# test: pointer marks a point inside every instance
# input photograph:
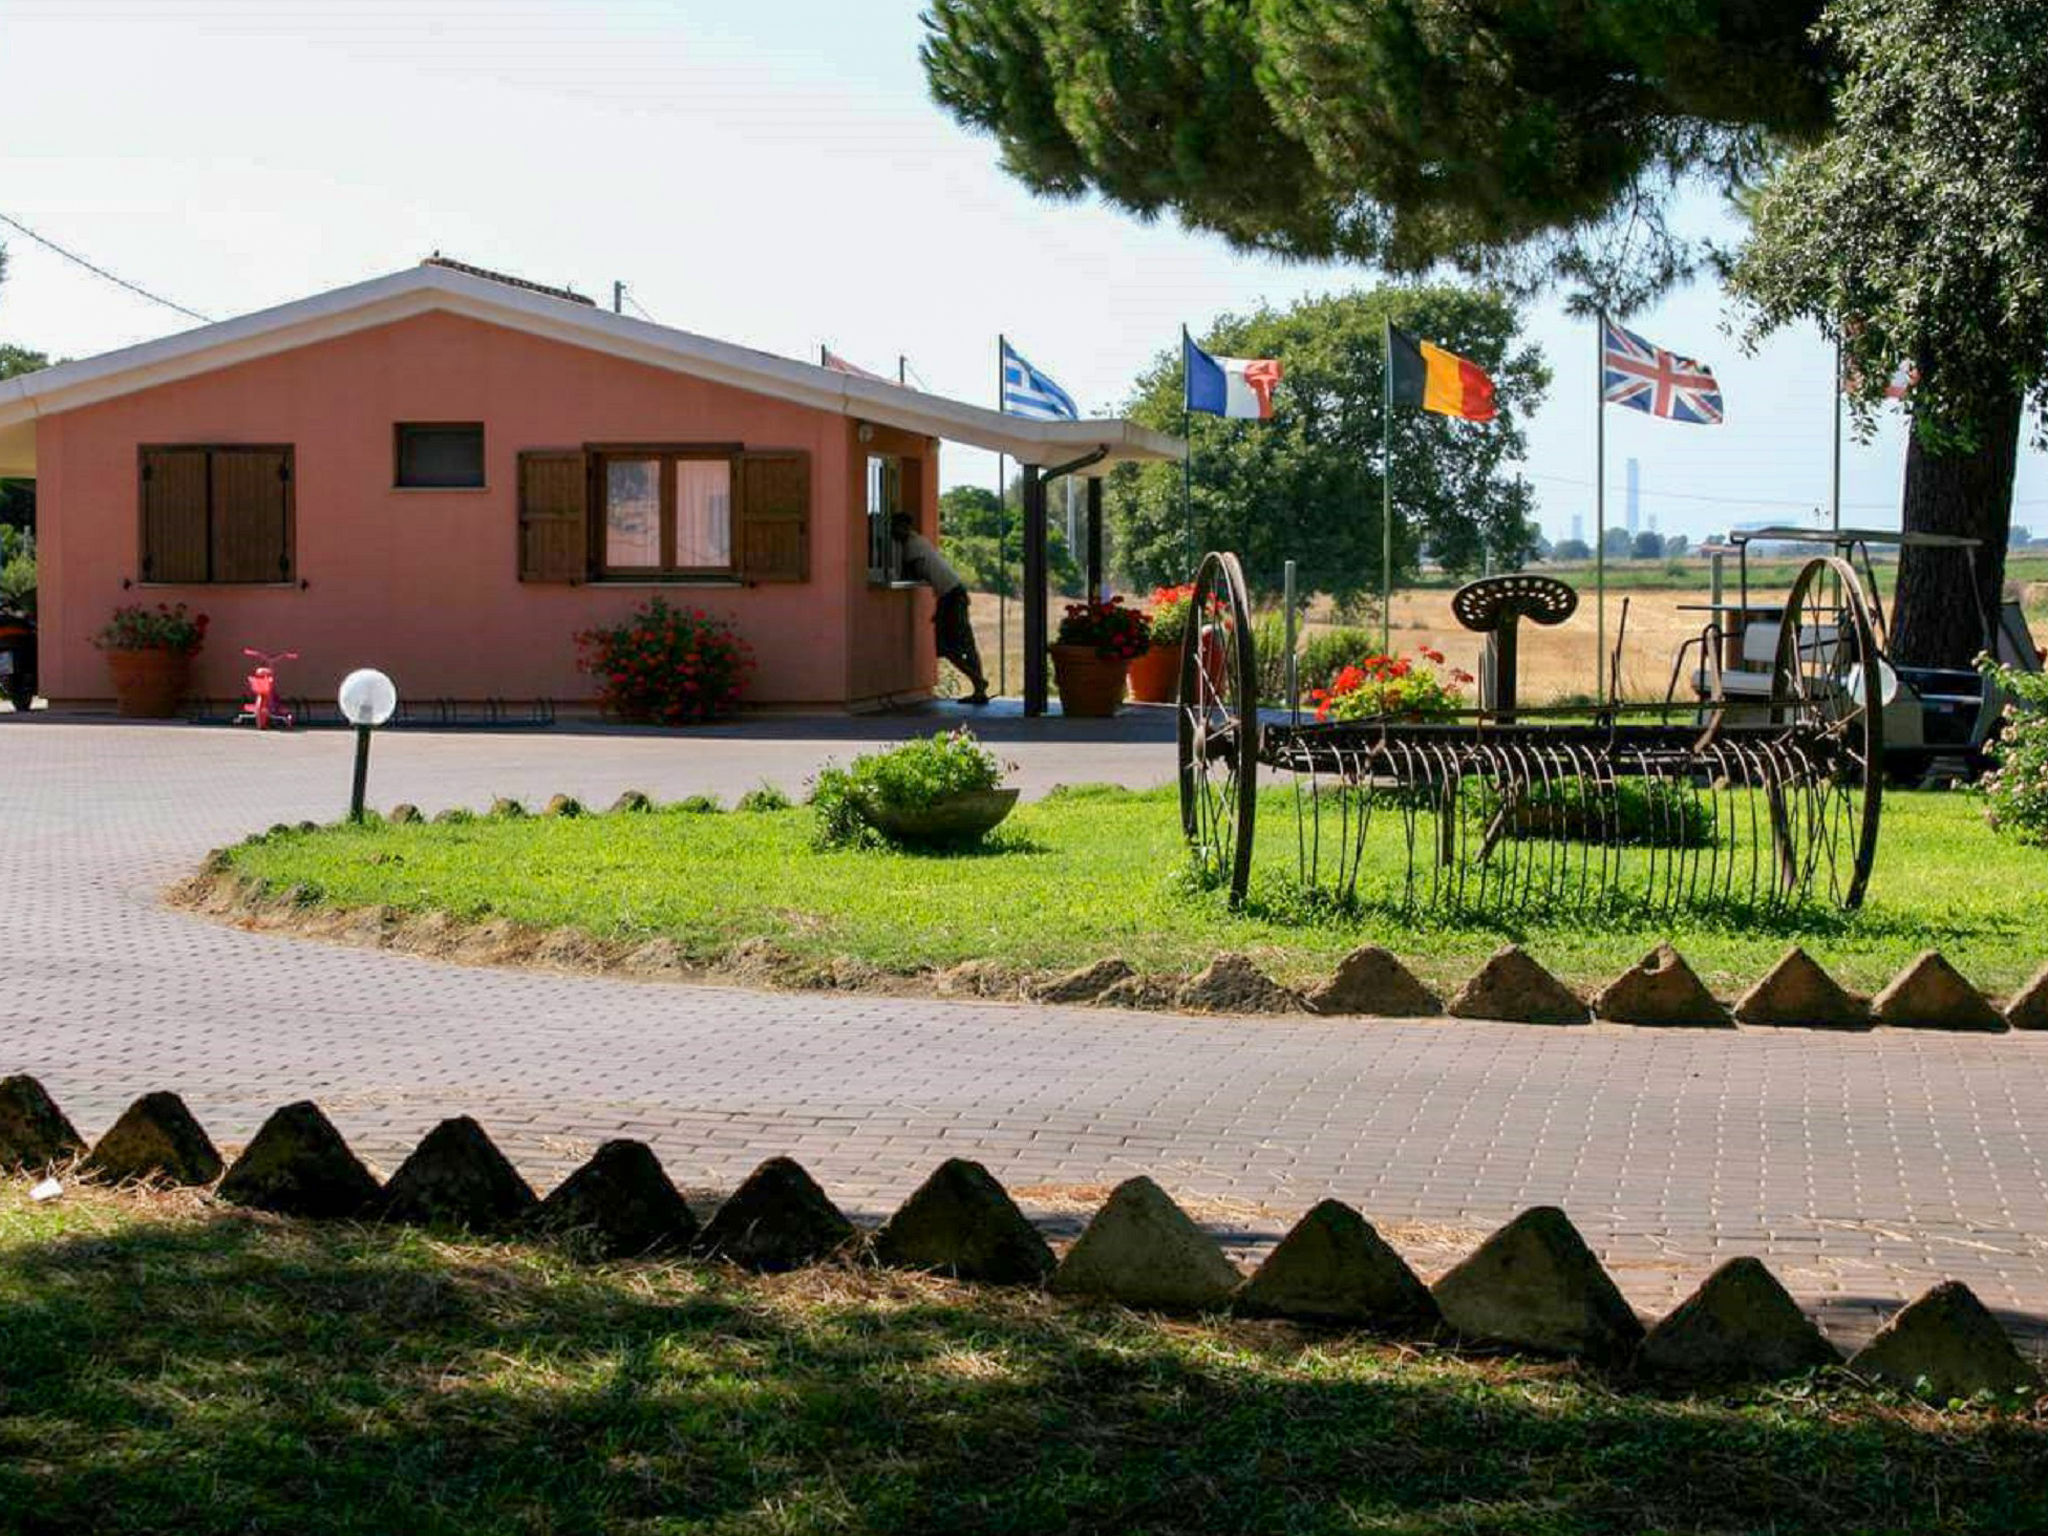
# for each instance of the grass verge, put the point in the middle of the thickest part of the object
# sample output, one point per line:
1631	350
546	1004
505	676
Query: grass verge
1096	872
169	1367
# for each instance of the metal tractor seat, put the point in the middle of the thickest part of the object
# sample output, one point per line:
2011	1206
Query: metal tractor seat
1496	606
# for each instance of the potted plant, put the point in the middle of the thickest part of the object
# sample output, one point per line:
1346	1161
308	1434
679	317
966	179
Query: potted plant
1092	654
943	793
149	653
1155	674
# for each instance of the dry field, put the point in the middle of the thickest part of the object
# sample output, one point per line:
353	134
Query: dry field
1556	663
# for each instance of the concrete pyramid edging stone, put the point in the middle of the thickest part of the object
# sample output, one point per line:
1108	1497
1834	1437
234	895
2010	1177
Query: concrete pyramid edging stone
1931	994
1740	1324
1332	1267
457	1177
1535	1285
1660	989
619	1205
1532	1285
778	1219
1370	980
2029	1006
1234	984
34	1134
298	1165
1142	1250
1945	1345
1797	992
156	1138
962	1223
1513	987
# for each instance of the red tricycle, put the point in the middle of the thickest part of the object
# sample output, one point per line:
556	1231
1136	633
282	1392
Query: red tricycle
262	710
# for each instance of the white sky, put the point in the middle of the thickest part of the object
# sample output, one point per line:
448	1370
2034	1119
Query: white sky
771	173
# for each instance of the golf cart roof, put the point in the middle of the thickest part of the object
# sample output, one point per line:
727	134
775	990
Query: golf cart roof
1844	537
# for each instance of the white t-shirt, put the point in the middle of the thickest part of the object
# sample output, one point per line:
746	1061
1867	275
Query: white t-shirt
936	573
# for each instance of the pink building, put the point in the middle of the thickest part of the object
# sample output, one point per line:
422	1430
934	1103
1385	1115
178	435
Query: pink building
447	474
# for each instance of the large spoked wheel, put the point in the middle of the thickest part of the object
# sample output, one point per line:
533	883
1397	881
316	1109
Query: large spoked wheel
1219	725
1827	689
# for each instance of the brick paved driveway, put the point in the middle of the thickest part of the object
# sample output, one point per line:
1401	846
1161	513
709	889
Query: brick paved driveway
1862	1167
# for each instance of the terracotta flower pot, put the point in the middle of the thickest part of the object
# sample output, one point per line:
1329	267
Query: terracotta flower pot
1091	686
1155	676
149	684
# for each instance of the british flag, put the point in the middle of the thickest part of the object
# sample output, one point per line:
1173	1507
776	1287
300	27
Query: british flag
1647	378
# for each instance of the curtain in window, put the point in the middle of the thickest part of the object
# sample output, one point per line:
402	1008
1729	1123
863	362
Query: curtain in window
703	513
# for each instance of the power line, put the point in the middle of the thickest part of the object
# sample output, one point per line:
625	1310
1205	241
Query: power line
628	295
98	271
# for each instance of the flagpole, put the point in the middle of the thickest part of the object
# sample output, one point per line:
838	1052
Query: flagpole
1387	486
1002	543
1600	506
1187	456
1835	493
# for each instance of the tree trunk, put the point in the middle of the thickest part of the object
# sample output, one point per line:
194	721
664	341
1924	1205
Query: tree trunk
1937	621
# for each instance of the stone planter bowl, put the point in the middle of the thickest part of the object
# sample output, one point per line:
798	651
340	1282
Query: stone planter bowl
950	822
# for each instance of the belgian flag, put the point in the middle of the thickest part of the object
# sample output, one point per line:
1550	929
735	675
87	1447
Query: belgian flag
1422	374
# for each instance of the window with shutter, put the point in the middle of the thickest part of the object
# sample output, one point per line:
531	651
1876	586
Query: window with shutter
554	523
175	543
774	532
217	514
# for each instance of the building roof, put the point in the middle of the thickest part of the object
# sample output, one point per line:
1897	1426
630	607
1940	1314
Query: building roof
441	287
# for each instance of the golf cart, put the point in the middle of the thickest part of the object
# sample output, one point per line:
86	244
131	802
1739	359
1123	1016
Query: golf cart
1937	720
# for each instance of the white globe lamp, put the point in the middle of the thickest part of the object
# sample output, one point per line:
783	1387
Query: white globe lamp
367	700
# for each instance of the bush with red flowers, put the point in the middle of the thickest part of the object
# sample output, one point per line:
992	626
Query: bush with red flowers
162	628
672	666
1392	686
1111	630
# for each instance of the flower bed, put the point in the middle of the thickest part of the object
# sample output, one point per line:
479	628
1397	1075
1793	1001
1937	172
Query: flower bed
1393	686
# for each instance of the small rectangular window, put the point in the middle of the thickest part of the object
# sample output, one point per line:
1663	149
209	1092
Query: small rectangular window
440	455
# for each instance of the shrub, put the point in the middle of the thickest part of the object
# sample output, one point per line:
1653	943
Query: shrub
1329	651
698	805
18	572
162	628
1640	813
673	666
905	778
2015	790
1109	627
766	798
1391	686
1269	644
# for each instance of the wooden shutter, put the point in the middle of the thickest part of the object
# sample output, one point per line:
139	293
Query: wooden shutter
554	520
773	539
252	514
174	542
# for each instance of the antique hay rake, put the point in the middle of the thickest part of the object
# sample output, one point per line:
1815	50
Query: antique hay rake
1768	802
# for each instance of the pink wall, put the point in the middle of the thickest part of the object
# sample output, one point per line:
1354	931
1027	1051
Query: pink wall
425	583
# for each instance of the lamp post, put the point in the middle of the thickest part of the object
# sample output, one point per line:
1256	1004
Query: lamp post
367	699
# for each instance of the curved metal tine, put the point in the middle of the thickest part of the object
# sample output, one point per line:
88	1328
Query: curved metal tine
1553	850
1453	768
1399	759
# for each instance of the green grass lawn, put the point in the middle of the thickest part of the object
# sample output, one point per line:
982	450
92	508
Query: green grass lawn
1097	872
169	1367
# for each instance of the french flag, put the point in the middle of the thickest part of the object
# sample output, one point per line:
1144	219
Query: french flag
1228	386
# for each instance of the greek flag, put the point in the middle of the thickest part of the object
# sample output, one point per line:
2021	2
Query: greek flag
1027	392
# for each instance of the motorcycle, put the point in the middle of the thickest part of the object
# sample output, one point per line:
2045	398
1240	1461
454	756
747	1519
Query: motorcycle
17	658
